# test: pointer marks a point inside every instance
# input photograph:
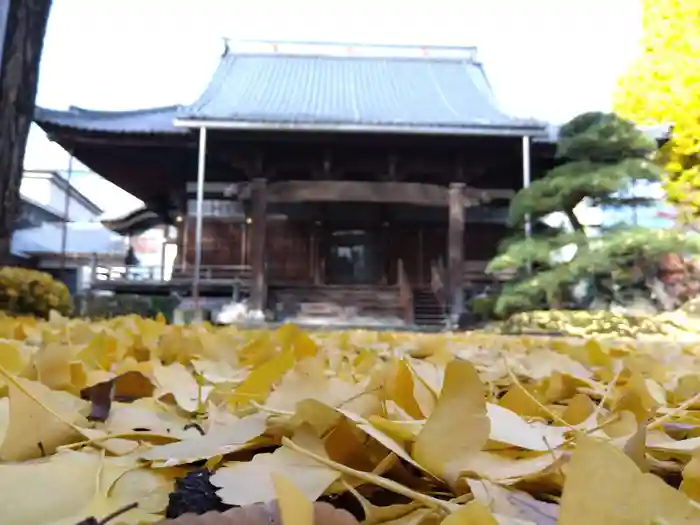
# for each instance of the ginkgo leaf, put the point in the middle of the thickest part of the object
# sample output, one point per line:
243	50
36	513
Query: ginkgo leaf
458	427
41	420
509	428
603	485
67	482
258	384
222	440
294	507
176	380
244	483
308	380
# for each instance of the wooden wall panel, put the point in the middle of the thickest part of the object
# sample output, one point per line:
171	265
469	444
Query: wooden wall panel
481	240
222	243
289	251
289	247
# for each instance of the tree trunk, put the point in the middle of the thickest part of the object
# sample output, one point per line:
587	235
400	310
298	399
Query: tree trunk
22	28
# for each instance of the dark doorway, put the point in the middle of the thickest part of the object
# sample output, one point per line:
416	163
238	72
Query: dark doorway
353	258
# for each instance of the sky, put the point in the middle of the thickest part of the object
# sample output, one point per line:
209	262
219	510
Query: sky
548	59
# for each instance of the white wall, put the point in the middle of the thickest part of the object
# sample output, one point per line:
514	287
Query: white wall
42	189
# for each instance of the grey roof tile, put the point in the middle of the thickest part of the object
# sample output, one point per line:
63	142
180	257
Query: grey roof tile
449	94
380	89
146	121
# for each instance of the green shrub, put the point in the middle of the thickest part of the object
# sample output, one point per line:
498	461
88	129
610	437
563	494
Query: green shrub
31	292
108	306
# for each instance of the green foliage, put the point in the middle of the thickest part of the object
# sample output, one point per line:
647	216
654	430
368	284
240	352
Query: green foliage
605	155
30	292
110	306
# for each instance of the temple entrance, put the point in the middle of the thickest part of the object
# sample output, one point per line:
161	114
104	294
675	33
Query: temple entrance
353	258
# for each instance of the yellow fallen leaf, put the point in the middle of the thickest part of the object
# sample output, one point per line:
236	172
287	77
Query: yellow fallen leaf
222	440
605	486
690	486
244	483
14	355
48	490
308	380
294	507
40	420
257	386
147	487
509	428
291	338
458	427
507	470
147	416
176	380
400	388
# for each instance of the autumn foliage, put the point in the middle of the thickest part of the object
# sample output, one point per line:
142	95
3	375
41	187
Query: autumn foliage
405	429
662	86
31	292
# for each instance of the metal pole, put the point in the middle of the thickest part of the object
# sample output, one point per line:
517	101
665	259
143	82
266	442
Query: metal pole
66	218
526	178
201	168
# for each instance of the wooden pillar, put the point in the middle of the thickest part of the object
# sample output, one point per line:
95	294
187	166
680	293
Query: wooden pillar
258	290
455	249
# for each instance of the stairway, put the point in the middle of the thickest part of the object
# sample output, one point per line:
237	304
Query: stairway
427	311
337	301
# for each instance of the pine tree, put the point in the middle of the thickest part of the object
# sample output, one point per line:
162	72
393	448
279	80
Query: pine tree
601	156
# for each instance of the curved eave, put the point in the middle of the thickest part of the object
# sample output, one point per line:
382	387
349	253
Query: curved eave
153	121
135	223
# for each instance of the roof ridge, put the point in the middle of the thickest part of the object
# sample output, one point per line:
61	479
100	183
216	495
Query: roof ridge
347	49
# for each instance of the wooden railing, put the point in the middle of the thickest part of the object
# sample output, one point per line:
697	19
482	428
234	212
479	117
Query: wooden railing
405	293
215	273
157	274
129	274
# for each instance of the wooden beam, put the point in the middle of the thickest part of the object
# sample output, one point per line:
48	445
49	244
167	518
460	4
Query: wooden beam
258	241
355	191
378	191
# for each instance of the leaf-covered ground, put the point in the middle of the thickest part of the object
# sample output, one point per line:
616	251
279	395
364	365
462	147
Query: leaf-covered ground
409	429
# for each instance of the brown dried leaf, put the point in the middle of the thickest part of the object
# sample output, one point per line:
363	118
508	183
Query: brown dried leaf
262	514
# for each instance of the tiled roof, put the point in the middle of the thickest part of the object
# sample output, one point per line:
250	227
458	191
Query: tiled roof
146	121
362	92
317	88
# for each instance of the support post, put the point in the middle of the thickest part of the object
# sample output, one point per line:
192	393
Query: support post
258	240
201	172
455	249
526	178
66	215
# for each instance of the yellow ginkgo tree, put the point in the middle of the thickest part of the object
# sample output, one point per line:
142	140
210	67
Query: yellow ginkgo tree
662	86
